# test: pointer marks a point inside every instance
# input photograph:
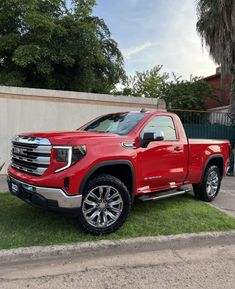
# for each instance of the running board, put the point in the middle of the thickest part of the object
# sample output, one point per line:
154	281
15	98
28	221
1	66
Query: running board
158	196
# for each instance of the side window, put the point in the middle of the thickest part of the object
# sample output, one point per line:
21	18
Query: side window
163	123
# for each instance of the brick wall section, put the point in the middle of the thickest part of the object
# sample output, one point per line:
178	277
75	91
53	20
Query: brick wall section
222	90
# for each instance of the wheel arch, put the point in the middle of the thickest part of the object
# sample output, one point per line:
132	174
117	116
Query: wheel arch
217	160
122	169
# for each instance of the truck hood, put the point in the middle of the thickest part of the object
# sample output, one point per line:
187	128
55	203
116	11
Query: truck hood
70	137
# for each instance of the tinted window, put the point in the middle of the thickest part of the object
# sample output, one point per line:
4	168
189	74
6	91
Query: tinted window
121	123
163	123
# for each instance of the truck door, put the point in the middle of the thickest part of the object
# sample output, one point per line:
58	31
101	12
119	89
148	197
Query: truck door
163	163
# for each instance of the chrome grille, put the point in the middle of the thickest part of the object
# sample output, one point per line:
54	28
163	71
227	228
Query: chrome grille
31	154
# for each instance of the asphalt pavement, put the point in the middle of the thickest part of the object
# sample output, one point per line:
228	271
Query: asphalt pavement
225	201
195	268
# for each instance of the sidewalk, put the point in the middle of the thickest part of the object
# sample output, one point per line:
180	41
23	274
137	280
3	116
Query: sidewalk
225	200
193	261
3	184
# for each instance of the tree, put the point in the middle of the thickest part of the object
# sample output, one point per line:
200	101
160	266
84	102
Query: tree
183	94
177	93
147	83
216	25
45	44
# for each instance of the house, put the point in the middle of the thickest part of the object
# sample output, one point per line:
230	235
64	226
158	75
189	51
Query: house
222	87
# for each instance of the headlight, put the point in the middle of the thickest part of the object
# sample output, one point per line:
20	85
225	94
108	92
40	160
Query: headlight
62	154
68	155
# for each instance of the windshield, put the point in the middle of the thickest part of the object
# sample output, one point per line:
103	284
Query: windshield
121	123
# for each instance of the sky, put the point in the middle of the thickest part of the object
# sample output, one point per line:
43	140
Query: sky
157	32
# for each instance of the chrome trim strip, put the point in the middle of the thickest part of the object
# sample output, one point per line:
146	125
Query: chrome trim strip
37	160
38	171
64	201
163	196
39	149
31	140
129	145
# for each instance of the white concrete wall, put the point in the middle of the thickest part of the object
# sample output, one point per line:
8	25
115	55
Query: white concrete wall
28	110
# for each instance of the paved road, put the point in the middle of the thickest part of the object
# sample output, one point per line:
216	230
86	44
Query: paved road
200	267
226	198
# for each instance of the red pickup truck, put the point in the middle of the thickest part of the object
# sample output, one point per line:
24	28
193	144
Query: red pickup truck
97	171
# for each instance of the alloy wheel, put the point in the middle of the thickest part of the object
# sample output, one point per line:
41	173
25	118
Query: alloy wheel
212	184
102	206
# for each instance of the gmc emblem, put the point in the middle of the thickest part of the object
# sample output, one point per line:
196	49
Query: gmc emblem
19	151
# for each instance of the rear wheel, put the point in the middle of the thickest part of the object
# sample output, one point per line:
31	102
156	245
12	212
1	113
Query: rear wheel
105	206
209	188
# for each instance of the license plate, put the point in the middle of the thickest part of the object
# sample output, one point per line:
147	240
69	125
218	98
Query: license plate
14	188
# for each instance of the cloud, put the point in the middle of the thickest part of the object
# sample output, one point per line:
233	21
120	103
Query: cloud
129	52
175	45
157	32
182	45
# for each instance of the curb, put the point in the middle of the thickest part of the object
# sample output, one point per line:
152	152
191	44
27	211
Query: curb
99	248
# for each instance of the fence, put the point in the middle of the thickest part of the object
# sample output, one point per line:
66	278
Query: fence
207	124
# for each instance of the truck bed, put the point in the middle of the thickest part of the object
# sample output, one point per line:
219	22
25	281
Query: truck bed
200	151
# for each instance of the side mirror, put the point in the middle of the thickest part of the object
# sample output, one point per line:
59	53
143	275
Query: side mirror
150	136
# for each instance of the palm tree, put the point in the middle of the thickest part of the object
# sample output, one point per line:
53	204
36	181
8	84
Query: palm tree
216	25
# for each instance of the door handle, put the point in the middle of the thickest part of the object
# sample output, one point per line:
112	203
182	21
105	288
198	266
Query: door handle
178	149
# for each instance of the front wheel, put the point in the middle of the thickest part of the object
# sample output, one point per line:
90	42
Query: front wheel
105	206
209	188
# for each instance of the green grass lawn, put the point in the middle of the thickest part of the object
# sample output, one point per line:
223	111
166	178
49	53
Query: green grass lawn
22	225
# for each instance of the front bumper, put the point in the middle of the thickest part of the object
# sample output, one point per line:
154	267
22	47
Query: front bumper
44	197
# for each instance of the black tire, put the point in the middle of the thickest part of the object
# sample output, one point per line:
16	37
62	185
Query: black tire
95	199
204	191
